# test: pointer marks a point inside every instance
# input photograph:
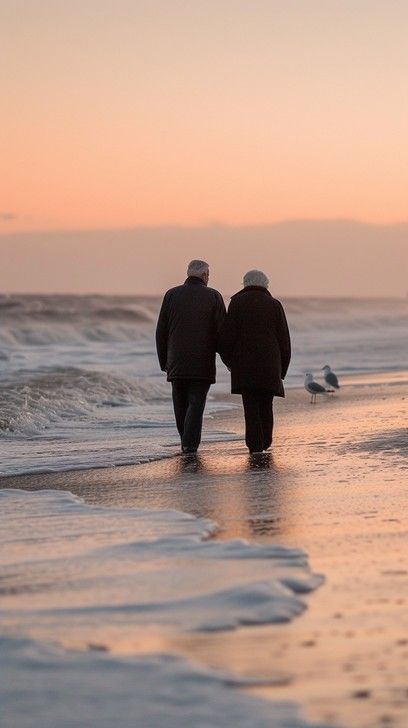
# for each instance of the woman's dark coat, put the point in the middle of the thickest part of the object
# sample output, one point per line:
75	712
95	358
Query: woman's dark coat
255	342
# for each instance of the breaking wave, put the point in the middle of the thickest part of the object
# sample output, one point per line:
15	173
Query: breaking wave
36	402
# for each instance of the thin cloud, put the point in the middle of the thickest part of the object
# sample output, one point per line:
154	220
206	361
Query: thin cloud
8	216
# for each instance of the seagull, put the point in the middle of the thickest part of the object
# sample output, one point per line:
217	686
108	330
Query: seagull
330	377
314	388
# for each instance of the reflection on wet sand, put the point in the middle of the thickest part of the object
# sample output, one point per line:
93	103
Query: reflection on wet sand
248	504
244	494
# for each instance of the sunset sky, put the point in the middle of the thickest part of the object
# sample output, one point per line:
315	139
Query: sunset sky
127	113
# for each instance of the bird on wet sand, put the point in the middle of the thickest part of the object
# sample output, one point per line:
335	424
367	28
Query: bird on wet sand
330	378
314	388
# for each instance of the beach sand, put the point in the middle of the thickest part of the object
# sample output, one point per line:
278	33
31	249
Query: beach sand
335	484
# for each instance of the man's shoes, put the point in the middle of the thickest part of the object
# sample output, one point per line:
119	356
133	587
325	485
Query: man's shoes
188	449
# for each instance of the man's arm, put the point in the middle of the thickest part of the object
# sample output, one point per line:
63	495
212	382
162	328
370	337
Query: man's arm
228	335
162	333
220	315
283	340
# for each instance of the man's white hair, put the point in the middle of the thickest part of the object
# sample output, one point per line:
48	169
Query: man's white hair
256	278
197	268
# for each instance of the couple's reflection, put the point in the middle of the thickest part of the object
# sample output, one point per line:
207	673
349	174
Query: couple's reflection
262	493
241	492
194	462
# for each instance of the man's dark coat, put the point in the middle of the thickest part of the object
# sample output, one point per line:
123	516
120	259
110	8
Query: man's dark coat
187	331
255	342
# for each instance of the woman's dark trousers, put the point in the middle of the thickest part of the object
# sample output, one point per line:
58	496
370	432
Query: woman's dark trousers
258	409
189	397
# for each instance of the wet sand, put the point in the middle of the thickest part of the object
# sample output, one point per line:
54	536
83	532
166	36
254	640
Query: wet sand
335	484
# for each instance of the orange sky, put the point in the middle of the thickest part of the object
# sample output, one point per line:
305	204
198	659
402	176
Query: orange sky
116	114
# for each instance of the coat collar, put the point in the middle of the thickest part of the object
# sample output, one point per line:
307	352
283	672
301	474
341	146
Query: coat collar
252	288
193	281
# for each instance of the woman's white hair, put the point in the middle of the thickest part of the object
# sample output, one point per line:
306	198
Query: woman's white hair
197	268
256	278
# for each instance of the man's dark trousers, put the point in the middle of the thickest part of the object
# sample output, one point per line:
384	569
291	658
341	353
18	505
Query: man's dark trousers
189	396
258	409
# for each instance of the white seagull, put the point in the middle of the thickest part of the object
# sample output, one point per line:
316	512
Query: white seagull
330	378
314	388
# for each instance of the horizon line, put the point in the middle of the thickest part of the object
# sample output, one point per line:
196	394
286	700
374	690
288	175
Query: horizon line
202	226
343	297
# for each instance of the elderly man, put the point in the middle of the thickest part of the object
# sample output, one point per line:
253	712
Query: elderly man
255	346
187	331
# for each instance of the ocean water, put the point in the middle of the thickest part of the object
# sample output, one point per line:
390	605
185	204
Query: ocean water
92	598
80	386
89	597
150	691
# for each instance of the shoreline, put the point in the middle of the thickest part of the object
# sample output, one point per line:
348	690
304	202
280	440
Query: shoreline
335	486
296	395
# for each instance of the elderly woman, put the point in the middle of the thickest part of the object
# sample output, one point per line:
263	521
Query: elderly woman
255	346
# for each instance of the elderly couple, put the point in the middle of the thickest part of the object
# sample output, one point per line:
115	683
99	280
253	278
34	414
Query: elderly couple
252	339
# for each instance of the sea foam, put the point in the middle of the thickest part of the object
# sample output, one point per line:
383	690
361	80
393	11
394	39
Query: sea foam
44	686
78	578
85	567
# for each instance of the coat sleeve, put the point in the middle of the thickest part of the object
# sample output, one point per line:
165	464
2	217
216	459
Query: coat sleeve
220	315
228	335
283	340
162	333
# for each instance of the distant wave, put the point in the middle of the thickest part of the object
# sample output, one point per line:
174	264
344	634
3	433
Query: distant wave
125	314
99	330
77	308
345	314
47	320
41	320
